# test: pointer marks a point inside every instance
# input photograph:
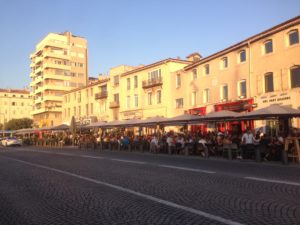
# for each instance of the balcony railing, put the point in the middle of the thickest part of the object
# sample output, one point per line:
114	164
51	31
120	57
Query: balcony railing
114	104
152	82
100	95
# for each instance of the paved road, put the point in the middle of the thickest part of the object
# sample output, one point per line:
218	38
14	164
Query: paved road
40	187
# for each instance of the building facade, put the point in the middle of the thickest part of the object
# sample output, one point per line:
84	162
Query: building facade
59	64
130	92
14	104
252	74
87	104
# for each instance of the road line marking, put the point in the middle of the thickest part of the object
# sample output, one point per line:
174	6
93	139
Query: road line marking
127	161
272	181
139	194
187	169
89	156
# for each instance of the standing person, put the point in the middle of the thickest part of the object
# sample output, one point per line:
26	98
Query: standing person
247	142
154	144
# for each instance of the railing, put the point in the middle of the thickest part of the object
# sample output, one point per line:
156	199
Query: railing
114	104
152	82
100	95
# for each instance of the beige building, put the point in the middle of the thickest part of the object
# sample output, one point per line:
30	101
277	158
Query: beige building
14	104
59	64
130	92
148	91
87	104
261	70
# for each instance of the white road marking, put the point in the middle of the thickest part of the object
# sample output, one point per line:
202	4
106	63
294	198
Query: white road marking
272	181
187	169
127	161
91	157
139	194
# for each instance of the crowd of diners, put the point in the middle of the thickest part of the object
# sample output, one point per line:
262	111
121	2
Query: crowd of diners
205	144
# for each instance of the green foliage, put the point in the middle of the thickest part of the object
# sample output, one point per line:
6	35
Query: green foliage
16	124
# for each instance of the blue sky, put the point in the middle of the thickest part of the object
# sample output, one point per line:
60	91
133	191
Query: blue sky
131	32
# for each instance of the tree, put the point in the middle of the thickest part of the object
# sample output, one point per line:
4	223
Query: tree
16	124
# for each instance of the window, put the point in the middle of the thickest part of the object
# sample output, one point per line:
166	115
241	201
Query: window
242	89
206	69
178	80
135	81
69	112
74	111
92	92
295	77
242	55
224	63
158	97
179	103
293	37
128	102
149	98
224	92
87	93
195	75
194	98
136	100
116	98
268	46
13	103
116	80
206	95
154	75
87	109
269	85
92	108
128	83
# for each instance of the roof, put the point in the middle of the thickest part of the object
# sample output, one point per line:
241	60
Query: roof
17	91
156	64
289	23
271	112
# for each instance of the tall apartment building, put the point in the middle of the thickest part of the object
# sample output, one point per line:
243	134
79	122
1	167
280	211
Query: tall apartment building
59	64
14	104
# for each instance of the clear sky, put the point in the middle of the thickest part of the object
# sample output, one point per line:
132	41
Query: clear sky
131	32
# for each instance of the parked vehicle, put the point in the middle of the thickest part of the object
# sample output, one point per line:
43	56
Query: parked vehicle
11	141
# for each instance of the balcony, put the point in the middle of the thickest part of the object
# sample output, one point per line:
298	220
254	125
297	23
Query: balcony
57	66
52	98
101	95
114	105
56	77
51	54
149	83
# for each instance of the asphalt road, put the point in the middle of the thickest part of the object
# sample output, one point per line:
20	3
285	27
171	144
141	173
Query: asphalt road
47	186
